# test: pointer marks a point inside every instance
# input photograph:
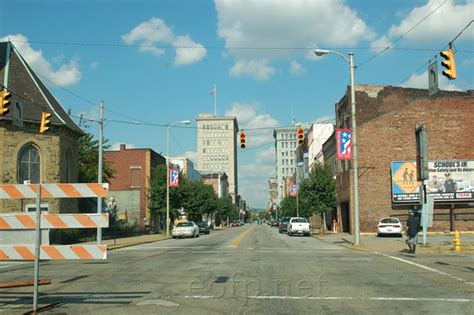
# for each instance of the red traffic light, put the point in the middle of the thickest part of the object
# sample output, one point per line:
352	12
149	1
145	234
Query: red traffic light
242	140
300	131
300	135
242	136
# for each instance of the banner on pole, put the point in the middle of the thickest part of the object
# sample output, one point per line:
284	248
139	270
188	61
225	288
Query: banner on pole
343	144
174	177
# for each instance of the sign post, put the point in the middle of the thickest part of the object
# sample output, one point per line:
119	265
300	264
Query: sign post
422	173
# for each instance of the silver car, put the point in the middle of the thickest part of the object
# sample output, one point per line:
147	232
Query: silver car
185	229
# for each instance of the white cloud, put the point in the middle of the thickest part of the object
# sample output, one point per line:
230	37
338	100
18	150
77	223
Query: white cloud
296	68
67	74
186	55
249	118
116	146
256	170
420	81
258	69
267	155
155	32
287	24
444	23
380	43
192	156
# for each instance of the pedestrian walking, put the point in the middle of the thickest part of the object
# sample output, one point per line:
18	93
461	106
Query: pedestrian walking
413	227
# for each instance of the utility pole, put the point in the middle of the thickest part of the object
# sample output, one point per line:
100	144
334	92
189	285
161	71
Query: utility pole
100	172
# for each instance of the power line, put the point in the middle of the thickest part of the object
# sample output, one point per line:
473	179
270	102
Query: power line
215	47
400	37
446	46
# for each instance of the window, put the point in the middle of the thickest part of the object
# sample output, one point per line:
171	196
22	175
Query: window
67	167
29	164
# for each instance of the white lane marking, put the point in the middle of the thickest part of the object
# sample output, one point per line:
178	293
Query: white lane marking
427	268
352	298
157	302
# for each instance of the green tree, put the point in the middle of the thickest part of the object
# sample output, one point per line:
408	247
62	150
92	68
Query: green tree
156	196
287	207
198	200
88	160
226	209
317	192
88	149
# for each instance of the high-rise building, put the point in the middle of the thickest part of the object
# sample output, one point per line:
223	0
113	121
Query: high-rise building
217	147
286	142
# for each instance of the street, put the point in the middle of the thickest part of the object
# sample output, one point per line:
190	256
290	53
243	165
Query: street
248	270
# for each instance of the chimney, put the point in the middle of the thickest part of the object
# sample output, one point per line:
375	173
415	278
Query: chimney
123	147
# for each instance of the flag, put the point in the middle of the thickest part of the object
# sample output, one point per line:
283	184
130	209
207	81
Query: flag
344	144
213	91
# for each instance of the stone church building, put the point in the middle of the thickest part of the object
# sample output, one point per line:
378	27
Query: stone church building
26	155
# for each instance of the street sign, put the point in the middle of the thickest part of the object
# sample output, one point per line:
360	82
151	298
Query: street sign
343	144
433	78
174	177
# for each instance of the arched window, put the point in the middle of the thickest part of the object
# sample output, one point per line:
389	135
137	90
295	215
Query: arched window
67	167
29	163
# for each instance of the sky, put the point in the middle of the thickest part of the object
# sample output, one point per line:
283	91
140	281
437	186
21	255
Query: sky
155	62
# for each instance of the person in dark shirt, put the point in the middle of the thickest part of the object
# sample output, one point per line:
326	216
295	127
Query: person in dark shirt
413	227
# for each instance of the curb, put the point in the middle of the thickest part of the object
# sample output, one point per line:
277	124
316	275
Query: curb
112	247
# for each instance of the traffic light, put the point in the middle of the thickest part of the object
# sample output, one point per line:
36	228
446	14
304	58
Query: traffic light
300	136
45	122
449	63
242	140
4	102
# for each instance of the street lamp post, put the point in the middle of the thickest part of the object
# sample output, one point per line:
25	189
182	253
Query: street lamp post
168	126
355	161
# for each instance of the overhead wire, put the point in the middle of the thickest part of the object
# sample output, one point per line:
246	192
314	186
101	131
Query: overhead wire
401	36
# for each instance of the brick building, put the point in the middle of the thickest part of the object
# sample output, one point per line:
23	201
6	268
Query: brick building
386	119
25	153
134	169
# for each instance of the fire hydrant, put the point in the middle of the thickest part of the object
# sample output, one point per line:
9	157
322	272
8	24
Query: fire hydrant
457	241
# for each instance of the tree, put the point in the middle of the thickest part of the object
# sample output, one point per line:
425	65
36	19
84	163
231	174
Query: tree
157	196
226	209
88	149
88	160
198	200
287	207
318	192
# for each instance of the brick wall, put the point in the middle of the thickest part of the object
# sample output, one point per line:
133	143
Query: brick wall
386	120
134	169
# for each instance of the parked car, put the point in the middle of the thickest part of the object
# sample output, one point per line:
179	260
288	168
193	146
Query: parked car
259	221
203	227
390	226
274	223
185	229
283	227
298	226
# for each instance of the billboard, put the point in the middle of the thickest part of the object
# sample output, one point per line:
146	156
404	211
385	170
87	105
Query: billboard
449	181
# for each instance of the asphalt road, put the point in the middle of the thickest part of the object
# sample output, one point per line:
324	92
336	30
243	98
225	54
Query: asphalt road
248	270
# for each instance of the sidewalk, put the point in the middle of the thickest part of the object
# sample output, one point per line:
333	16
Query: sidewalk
434	243
130	241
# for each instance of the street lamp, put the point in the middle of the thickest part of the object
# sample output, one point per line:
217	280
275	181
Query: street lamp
168	126
350	60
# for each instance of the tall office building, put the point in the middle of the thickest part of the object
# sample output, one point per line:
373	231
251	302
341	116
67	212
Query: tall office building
286	142
217	147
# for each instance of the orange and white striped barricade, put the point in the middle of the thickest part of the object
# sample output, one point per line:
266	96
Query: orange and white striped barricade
20	221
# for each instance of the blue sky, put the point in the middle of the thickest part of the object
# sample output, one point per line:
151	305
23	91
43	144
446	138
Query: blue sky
156	61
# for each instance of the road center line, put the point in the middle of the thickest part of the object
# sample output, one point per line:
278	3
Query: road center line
426	268
241	237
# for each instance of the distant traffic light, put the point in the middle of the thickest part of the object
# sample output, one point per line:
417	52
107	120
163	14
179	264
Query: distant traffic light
300	136
449	63
242	140
4	102
45	122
